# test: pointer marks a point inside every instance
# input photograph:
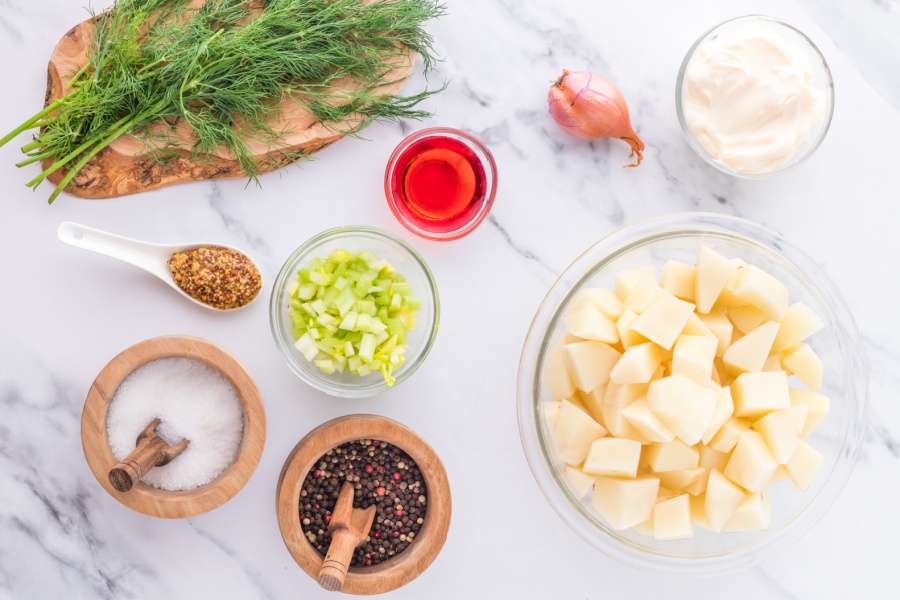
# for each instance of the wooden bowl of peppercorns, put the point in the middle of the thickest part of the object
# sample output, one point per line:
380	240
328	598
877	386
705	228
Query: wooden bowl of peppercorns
391	468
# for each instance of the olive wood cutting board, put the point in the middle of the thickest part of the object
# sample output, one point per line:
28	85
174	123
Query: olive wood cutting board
126	167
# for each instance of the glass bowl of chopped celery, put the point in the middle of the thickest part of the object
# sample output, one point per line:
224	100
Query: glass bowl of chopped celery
355	311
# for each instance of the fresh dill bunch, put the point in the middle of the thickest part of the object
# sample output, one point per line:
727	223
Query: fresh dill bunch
224	69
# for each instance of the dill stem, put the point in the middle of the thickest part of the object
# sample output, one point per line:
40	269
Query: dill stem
32	122
35	158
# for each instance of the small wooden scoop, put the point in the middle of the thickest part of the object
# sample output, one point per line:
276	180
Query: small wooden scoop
349	528
150	451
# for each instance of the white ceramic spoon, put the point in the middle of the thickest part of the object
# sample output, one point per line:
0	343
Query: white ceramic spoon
151	257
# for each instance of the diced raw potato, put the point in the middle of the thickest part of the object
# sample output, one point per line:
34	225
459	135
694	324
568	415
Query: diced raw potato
663	320
671	456
549	412
695	326
714	272
615	421
604	299
665	493
721	327
588	323
699	486
799	323
817	407
782	430
622	394
749	353
753	514
625	503
685	407
721	500
613	457
693	357
642	296
589	363
725	375
638	364
746	318
580	483
646	423
672	519
628	336
803	362
803	465
593	402
574	432
678	279
682	479
773	363
751	464
723	412
698	511
713	459
725	440
758	288
626	281
557	375
756	394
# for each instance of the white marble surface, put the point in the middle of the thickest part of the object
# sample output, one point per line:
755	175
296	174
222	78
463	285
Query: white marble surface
66	312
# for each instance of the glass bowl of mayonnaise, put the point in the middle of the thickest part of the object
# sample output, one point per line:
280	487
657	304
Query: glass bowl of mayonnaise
754	96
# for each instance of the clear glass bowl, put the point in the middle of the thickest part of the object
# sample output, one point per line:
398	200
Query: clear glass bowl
838	437
821	79
405	260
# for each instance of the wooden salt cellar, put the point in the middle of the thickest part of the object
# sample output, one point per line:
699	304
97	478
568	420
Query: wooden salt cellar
398	570
145	498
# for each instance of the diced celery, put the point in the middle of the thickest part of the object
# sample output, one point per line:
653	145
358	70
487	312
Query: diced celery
320	278
396	300
348	349
367	347
326	366
307	291
307	347
363	323
345	301
340	283
327	320
349	321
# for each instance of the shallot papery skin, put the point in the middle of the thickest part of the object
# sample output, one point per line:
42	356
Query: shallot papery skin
590	107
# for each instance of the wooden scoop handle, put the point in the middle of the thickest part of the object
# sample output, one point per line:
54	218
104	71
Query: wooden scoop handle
340	553
151	451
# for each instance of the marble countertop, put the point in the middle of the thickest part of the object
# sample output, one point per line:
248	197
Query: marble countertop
65	313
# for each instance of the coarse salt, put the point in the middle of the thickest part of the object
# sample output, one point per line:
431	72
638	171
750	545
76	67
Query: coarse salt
193	401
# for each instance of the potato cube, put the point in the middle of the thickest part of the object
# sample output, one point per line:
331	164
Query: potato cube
588	323
756	394
678	279
724	411
642	296
605	300
698	511
725	375
727	436
746	318
593	402
773	363
753	514
628	336
685	407
698	487
646	423
721	500
590	363
665	493
721	327
760	289
695	326
693	357
803	362
615	422
713	459
626	281
625	503
580	483
671	456
613	457
663	320
548	412
574	432
557	374
638	364
799	323
684	479
750	352
714	272
803	465
672	519
782	430
817	407
751	464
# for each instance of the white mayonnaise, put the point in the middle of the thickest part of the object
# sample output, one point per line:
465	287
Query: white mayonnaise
749	96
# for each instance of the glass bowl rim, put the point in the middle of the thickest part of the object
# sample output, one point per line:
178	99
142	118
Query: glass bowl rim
613	244
682	120
487	162
321	382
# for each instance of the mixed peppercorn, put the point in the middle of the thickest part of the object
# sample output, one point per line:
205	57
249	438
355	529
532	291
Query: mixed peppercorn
382	475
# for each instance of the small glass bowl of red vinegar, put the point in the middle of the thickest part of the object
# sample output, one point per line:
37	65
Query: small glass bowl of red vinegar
440	183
